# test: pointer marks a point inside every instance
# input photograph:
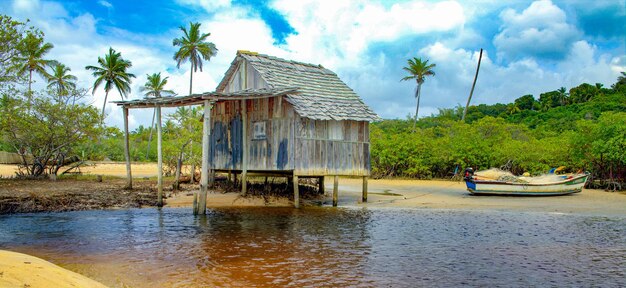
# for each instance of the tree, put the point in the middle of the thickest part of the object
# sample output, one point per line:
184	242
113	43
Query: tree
620	85
49	131
112	70
61	81
193	48
32	49
418	70
526	102
154	87
11	38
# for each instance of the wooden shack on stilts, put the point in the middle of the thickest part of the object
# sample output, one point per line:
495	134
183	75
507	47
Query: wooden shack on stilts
275	117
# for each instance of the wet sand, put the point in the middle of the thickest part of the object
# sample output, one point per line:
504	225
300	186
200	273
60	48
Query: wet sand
21	270
392	193
433	194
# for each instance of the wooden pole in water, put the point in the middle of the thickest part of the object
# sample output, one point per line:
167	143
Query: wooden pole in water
336	191
129	176
244	160
364	198
296	192
160	159
204	177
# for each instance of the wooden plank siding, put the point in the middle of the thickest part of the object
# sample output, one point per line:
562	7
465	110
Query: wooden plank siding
311	153
346	154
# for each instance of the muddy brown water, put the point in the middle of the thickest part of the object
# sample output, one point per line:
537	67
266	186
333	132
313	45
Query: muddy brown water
329	247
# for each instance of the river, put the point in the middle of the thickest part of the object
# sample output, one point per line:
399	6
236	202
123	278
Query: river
322	246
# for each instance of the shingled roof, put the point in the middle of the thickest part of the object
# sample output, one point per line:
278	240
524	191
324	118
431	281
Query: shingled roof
321	94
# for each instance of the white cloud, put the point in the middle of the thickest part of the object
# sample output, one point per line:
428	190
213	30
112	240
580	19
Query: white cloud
338	32
208	5
105	4
541	30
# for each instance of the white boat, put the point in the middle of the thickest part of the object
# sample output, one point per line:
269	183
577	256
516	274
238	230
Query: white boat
567	184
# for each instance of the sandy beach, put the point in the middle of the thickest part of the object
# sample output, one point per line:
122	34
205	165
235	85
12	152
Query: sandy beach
21	270
391	193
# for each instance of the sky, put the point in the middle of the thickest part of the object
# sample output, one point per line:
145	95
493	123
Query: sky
530	47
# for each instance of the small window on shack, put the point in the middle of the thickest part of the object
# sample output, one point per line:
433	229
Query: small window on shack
335	130
258	131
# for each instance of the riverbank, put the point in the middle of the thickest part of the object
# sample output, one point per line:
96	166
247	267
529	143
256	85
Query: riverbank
434	194
74	193
84	193
21	270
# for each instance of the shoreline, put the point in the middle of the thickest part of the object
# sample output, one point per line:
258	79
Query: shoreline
83	192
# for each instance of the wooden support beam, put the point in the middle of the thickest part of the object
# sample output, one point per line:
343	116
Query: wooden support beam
320	183
336	191
364	198
244	146
160	158
204	177
296	192
129	176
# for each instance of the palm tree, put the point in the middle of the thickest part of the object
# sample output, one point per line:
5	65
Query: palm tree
562	96
32	50
154	87
112	71
418	70
61	80
193	48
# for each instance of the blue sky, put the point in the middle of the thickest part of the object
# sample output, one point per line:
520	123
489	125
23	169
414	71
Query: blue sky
530	46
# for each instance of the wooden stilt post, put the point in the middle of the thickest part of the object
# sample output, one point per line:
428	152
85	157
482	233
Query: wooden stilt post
364	198
244	160
129	176
296	192
336	191
160	159
320	183
204	177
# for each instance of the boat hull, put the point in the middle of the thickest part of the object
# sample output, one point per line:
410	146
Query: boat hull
486	187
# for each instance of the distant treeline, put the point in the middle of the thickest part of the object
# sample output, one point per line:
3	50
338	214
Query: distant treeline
583	129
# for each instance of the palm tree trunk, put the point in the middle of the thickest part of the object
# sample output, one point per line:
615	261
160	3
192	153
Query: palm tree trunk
150	137
191	78
417	106
30	91
473	85
106	95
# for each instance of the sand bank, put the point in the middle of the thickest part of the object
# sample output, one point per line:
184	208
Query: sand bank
431	194
21	270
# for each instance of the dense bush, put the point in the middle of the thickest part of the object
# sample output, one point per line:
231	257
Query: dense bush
587	133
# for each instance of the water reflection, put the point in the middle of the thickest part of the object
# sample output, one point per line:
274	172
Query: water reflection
325	247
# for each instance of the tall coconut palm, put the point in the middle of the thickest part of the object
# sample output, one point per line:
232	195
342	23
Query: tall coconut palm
112	70
154	87
61	80
193	48
418	70
32	50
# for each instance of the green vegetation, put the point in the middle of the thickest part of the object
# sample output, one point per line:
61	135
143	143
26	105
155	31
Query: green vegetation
584	130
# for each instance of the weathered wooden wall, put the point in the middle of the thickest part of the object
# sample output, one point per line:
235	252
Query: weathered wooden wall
272	152
332	147
244	78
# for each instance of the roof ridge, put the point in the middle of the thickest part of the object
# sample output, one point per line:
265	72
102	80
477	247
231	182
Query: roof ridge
274	58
